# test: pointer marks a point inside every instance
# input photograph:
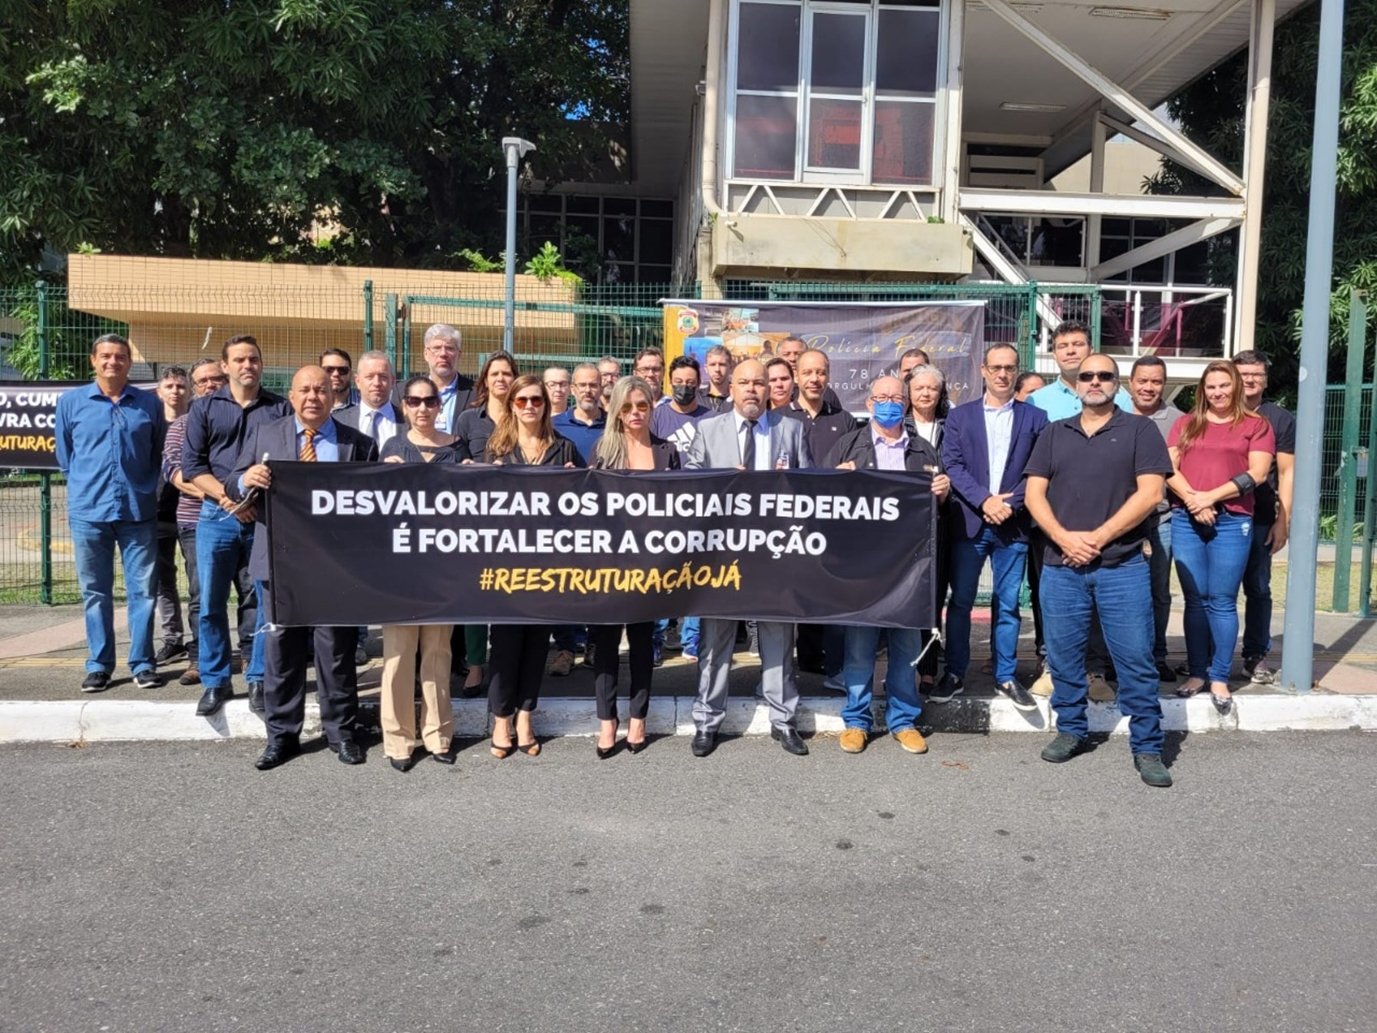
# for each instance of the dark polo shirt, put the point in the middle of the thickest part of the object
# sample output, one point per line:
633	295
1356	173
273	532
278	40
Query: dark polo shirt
830	425
1090	478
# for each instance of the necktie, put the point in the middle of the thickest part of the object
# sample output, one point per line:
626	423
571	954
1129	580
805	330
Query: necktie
370	423
748	446
308	448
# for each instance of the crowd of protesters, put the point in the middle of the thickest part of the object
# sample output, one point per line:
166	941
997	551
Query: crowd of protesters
1082	488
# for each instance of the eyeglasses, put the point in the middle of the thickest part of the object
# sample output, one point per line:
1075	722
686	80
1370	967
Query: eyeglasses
337	371
426	401
1002	369
636	407
1102	376
203	381
887	398
556	383
528	401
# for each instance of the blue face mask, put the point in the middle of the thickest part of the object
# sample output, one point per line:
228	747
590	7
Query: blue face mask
888	414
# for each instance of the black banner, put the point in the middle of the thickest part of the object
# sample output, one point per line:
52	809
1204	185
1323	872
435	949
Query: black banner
28	412
357	543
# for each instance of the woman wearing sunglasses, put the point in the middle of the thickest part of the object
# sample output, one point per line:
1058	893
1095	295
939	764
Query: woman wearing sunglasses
473	427
523	437
422	443
627	444
1220	452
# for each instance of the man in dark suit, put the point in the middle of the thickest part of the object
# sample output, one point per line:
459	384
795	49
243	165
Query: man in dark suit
747	438
985	447
443	347
309	435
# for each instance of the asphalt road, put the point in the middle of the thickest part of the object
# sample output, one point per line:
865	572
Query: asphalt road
172	887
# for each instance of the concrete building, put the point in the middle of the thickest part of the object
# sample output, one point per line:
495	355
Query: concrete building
953	141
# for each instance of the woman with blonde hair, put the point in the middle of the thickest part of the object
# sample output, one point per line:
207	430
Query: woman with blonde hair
627	444
524	436
1220	452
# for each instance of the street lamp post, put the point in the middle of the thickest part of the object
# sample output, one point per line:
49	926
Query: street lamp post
515	149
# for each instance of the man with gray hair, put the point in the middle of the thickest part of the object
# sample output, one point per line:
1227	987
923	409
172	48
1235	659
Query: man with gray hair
443	347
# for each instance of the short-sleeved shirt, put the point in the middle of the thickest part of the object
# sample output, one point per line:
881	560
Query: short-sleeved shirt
1059	401
678	427
1163	419
830	425
1221	454
584	435
1284	429
1090	478
403	449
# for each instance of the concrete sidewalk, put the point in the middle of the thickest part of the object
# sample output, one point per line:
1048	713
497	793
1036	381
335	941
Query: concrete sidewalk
42	652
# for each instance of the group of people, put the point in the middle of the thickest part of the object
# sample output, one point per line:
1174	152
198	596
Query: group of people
1084	488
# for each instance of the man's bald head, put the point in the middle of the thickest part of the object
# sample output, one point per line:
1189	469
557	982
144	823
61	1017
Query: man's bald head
749	388
311	395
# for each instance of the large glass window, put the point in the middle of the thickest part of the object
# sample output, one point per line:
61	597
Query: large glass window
829	89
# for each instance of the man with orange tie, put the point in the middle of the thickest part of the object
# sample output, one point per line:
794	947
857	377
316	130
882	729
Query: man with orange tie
309	435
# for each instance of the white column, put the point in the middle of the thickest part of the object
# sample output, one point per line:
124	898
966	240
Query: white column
951	144
1254	165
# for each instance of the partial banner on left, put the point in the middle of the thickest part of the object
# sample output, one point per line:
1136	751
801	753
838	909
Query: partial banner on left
363	543
28	421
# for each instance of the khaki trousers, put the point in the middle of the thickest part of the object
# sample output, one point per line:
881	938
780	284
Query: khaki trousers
400	642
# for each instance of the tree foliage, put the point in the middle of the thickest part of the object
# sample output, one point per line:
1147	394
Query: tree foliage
1211	112
231	129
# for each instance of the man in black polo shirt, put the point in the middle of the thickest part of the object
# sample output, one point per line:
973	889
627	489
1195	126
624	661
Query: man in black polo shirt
1094	481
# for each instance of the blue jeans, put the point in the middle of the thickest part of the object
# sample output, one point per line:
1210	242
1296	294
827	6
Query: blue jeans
1210	563
223	545
1007	561
1159	570
1071	596
688	634
1257	596
94	543
858	672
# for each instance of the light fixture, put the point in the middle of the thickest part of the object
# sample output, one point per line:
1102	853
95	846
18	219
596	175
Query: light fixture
1144	14
1013	105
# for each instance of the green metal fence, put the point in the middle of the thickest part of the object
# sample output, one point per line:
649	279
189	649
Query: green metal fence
42	335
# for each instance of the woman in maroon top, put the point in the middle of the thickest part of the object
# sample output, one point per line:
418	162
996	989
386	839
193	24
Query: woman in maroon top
627	444
1220	452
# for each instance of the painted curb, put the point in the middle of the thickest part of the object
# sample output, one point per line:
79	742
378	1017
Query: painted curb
135	720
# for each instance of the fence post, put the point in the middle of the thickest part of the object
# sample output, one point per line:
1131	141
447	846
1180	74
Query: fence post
368	315
1348	451
390	318
1030	355
1369	517
45	487
1096	299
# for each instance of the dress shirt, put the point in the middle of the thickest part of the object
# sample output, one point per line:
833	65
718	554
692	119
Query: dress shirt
217	427
999	433
111	452
447	418
325	442
378	424
889	455
762	440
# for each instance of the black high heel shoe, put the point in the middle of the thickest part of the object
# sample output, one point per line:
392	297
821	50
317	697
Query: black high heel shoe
606	751
636	747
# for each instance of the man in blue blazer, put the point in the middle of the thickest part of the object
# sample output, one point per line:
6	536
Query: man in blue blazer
309	435
985	447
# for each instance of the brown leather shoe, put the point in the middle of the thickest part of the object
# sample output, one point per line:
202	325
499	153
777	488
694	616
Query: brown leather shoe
853	740
563	663
911	740
1100	690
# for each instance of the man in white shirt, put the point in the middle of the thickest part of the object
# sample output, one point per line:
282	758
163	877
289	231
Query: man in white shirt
375	414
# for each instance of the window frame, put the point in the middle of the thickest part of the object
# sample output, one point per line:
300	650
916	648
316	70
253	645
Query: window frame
803	95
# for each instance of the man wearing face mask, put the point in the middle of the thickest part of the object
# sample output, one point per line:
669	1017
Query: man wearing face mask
677	421
885	444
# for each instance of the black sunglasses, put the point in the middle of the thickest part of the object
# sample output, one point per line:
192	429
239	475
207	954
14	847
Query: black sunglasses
1095	374
429	401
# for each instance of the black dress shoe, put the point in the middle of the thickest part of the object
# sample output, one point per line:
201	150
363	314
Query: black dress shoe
212	700
703	743
401	765
256	698
349	752
790	740
450	755
278	752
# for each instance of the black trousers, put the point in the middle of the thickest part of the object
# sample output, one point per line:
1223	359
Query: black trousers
607	640
287	652
516	656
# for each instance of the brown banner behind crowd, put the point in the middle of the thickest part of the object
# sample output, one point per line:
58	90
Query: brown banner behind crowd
863	340
399	544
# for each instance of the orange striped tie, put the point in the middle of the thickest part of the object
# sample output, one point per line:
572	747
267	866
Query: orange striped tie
308	448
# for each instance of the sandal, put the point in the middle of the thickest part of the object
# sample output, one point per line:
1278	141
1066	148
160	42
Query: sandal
499	750
531	749
1222	704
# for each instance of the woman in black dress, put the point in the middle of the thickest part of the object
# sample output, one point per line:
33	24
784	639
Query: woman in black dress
523	437
627	444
